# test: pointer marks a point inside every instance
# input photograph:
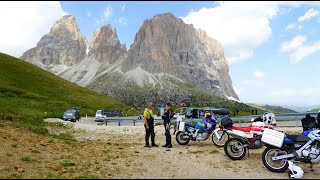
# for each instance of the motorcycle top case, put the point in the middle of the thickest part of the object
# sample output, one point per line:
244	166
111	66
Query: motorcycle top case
226	122
272	137
182	126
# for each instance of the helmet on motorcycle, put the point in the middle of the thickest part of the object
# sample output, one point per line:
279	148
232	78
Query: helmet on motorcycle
207	114
268	118
295	171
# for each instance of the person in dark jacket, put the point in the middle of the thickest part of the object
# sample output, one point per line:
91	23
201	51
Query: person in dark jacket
166	122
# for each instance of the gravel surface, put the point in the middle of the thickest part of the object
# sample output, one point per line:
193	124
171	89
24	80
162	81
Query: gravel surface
195	160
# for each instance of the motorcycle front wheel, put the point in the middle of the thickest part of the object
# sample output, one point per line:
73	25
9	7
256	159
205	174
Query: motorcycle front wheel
234	149
181	139
224	136
274	166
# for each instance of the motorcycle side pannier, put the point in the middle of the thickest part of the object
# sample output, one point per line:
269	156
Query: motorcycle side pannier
273	137
226	122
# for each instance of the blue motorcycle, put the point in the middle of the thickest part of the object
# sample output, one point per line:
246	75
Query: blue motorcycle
284	149
199	132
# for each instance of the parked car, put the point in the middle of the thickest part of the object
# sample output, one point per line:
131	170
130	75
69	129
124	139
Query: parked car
200	112
72	114
100	116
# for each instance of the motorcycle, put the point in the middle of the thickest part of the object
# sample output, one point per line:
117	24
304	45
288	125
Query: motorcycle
245	138
282	150
199	132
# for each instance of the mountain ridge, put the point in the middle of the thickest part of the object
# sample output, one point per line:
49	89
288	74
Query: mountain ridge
165	50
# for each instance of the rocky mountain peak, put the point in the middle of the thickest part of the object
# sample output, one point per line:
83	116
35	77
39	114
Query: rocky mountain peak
62	47
67	27
165	44
105	45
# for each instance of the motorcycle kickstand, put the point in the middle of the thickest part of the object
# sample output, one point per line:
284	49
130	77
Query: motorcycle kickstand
248	153
311	167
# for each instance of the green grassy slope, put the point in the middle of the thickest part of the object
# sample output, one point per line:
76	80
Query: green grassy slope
136	96
314	110
274	109
27	91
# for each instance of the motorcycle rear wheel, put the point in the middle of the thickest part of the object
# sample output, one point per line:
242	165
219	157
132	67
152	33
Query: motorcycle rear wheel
181	140
274	166
231	148
224	138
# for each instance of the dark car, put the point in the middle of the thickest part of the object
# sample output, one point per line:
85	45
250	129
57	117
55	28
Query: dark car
200	112
72	115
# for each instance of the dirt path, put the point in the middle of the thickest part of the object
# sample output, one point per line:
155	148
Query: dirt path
118	152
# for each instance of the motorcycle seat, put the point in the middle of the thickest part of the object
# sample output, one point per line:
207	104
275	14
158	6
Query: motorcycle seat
247	129
298	138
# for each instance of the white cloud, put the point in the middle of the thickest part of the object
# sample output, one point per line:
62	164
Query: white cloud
24	23
307	95
88	14
123	20
298	50
290	92
308	15
304	51
123	8
107	13
239	26
258	79
258	74
253	82
311	13
291	26
293	44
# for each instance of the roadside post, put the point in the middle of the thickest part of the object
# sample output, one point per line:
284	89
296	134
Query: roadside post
161	109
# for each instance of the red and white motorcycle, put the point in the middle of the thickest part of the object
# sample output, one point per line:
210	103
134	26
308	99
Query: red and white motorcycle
243	138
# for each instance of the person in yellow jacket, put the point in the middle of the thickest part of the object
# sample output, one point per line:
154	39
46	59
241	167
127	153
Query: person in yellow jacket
149	125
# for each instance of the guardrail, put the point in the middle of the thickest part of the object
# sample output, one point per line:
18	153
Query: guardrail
288	119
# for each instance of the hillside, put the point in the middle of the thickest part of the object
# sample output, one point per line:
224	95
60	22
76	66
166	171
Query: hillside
27	91
271	108
314	110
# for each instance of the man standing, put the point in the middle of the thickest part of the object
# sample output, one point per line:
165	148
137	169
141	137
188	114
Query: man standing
166	122
149	125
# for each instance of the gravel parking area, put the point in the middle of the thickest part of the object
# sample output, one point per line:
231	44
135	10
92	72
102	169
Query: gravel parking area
195	160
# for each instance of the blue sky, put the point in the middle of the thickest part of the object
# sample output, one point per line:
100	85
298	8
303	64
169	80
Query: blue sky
273	48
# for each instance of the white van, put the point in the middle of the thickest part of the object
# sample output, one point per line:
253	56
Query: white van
100	116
